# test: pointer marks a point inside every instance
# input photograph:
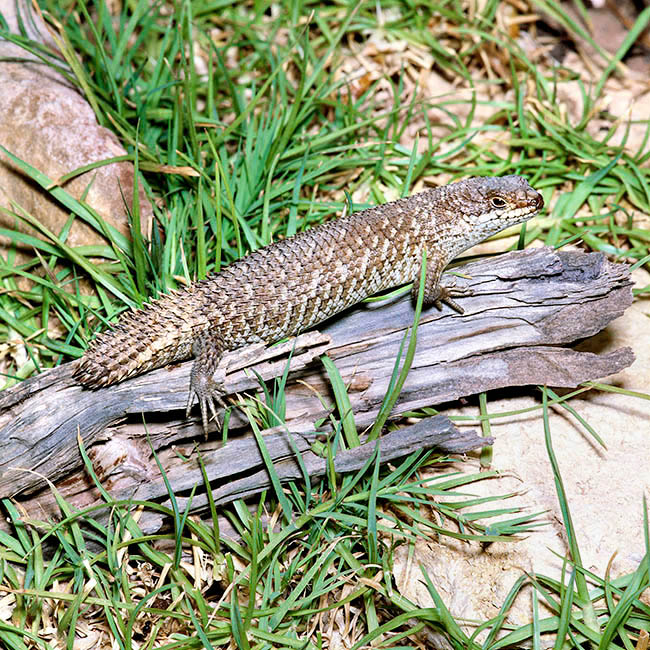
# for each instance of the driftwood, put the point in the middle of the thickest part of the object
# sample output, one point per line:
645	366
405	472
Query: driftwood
524	306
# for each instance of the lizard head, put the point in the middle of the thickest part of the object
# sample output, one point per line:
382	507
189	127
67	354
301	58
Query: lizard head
490	204
471	210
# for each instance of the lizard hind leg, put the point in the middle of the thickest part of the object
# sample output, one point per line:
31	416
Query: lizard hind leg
207	350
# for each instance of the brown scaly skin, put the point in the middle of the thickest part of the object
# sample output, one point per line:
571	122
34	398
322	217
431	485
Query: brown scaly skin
294	284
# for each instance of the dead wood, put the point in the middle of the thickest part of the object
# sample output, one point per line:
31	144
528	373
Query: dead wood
237	471
525	306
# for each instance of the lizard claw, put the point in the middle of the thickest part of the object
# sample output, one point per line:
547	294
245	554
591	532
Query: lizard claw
209	393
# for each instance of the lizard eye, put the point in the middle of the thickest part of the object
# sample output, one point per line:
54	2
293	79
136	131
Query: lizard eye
498	202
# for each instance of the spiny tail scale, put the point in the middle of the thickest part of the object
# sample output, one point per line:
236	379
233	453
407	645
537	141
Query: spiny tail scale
123	352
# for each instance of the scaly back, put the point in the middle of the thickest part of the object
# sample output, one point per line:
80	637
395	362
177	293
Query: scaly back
294	284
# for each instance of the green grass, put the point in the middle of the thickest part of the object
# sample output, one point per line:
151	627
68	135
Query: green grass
312	563
279	144
269	142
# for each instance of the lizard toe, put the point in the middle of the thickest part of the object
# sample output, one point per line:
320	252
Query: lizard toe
208	393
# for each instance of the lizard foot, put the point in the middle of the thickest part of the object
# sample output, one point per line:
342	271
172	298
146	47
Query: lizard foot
447	293
209	392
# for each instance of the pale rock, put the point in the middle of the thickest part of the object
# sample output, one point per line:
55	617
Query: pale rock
605	489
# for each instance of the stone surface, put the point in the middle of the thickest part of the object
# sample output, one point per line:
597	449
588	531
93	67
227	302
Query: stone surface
47	123
605	488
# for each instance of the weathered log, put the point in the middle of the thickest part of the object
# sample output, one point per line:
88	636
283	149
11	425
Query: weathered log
524	307
236	469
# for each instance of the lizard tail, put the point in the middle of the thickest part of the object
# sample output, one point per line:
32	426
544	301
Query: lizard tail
143	339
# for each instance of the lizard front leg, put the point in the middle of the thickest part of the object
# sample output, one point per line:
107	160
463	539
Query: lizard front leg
208	350
434	292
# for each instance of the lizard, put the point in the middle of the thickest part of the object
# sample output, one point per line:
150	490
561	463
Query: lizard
293	284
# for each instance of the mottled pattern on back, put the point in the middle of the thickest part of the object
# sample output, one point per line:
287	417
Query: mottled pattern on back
294	284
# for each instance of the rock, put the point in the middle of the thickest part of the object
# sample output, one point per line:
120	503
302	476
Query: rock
47	123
